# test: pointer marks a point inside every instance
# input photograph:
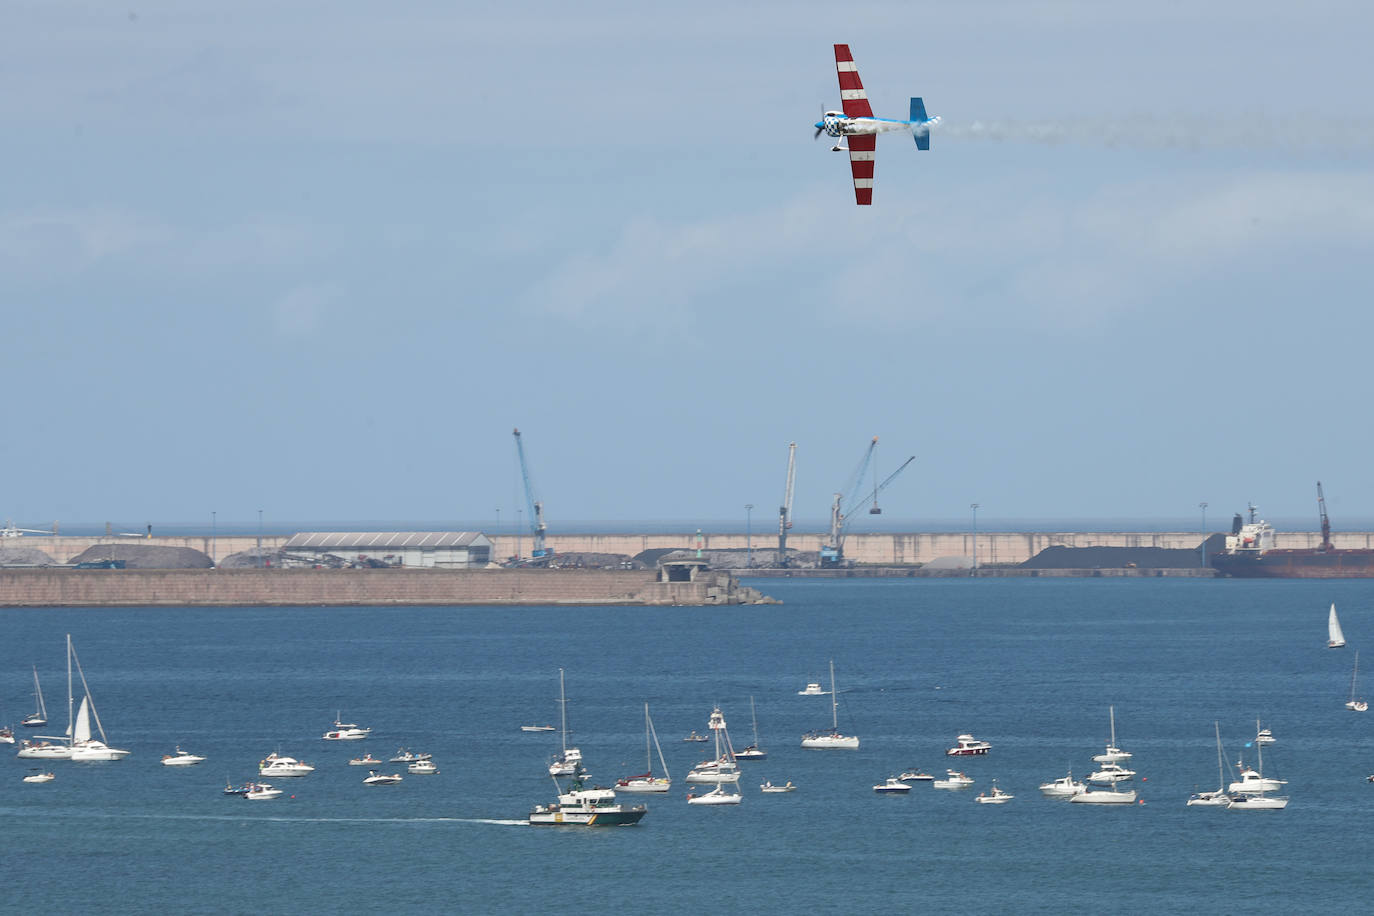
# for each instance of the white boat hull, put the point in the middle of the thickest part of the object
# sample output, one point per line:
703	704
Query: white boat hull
1060	789
644	786
40	777
1104	798
713	777
95	750
993	799
423	768
715	797
1258	803
831	742
46	752
951	784
1217	799
185	760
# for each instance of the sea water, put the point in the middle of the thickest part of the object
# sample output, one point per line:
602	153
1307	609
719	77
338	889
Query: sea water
1030	665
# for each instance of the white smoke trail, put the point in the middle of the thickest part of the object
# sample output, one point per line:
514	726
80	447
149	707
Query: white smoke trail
1314	134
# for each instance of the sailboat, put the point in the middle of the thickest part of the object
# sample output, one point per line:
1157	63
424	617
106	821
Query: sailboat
648	782
1113	753
1218	798
570	760
725	773
753	751
84	746
40	715
833	738
1335	639
1248	794
1353	704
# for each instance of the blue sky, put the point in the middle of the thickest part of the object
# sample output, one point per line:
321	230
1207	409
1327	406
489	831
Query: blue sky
320	260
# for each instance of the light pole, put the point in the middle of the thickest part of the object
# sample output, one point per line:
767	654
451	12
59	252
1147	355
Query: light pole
498	523
260	559
1203	507
974	507
214	561
518	523
749	534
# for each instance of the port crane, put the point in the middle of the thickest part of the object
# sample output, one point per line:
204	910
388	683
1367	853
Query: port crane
539	555
785	511
10	531
845	501
1326	522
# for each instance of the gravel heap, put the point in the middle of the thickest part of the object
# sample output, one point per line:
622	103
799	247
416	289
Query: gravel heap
24	556
145	556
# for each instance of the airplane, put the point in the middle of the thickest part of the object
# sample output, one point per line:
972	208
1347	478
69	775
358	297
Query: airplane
857	124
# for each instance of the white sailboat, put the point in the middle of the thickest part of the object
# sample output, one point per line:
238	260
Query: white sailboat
833	738
726	770
1113	753
568	762
1252	794
1217	798
39	716
84	746
1354	704
753	751
648	782
1335	639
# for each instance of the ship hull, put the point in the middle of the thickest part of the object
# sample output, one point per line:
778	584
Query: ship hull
1298	564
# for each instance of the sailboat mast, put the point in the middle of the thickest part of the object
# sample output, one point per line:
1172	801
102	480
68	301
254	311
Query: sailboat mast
755	716
1111	714
834	700
563	714
654	732
1221	778
69	688
89	699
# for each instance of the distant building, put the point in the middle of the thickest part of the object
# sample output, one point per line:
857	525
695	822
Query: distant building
441	549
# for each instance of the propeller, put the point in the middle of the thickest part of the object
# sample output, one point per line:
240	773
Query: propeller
820	130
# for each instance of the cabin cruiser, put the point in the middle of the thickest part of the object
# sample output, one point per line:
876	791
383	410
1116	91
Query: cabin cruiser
722	769
1109	774
994	797
38	775
275	764
423	768
954	780
261	791
567	763
181	759
811	690
968	746
1063	787
583	807
1266	736
893	785
381	779
1252	783
346	731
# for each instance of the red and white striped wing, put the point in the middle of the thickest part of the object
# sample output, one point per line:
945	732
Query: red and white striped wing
852	94
861	149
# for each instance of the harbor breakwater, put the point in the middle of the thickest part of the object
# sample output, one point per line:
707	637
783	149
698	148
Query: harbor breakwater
367	587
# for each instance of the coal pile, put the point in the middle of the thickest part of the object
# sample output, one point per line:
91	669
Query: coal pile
1060	557
145	556
24	556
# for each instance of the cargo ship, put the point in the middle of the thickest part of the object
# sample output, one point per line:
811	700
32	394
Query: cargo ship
1250	553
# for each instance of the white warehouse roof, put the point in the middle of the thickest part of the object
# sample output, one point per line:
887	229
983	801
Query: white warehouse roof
384	540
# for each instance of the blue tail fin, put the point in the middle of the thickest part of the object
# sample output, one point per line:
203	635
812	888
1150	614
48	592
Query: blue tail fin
918	115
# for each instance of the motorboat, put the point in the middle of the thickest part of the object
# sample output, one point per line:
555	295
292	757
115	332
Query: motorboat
570	760
1258	803
832	739
275	764
811	690
1216	798
39	717
367	760
1064	787
1265	736
647	781
753	751
916	775
346	731
695	738
537	728
1112	754
231	789
84	746
1354	704
968	746
721	768
892	786
382	779
994	796
953	780
261	791
1253	781
405	756
1109	774
1112	796
181	759
38	775
423	768
6	735
39	749
584	807
769	788
720	795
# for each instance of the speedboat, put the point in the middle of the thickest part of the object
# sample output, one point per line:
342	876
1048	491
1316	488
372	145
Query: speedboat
811	690
583	807
893	785
405	756
1112	796
752	752
381	779
536	728
968	746
916	775
694	737
261	791
181	759
1063	788
367	760
1109	774
37	775
275	764
717	796
38	749
346	731
423	768
995	796
954	780
770	788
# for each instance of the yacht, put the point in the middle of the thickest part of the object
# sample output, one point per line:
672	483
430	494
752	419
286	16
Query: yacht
423	768
892	786
1258	803
995	796
537	728
38	775
647	781
367	760
768	787
1265	736
346	731
1112	754
1109	774
1064	787
1112	796
720	795
39	749
1252	782
261	791
275	764
954	780
831	739
405	756
39	716
570	760
916	775
811	690
1215	798
381	779
968	746
181	759
583	807
753	751
84	746
6	735
722	768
